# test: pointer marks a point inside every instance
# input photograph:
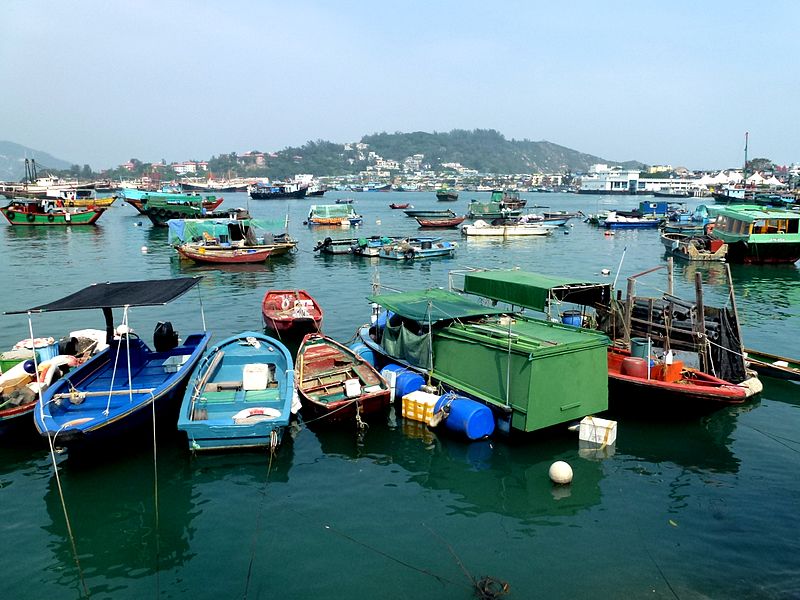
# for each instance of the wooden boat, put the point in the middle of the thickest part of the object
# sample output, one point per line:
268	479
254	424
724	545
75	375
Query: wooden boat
291	312
615	220
227	240
417	248
264	191
482	228
691	247
428	214
239	394
138	200
758	234
335	384
117	390
36	212
445	195
493	210
772	365
204	253
447	223
637	384
370	247
398	206
335	247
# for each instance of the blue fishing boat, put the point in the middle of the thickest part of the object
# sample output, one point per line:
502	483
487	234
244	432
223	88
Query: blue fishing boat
416	248
128	384
239	395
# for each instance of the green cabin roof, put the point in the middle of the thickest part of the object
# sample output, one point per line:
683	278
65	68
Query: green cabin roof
533	290
752	212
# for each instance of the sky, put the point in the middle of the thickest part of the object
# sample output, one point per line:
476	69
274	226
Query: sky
676	83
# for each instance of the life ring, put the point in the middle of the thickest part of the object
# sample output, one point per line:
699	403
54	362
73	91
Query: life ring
31	217
409	254
257	413
50	217
70	203
11	215
285	303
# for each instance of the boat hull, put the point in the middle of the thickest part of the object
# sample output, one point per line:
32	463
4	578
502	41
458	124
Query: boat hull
232	256
55	219
291	312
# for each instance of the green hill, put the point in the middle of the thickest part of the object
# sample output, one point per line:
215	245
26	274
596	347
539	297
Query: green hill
12	161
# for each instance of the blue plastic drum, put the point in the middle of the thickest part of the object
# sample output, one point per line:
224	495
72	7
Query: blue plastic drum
466	416
407	380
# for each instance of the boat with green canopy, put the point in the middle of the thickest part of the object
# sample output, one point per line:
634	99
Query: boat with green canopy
758	234
531	372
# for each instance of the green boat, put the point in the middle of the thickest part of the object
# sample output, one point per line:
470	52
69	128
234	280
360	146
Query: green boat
43	213
758	234
160	208
533	373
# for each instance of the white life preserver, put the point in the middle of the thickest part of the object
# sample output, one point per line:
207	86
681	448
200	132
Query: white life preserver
257	413
286	303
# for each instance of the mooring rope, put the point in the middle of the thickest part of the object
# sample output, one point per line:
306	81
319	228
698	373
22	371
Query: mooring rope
272	449
155	495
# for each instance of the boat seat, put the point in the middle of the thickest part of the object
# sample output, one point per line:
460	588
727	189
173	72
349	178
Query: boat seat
262	395
219	386
226	397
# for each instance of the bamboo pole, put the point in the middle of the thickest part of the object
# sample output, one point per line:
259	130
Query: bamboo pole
700	322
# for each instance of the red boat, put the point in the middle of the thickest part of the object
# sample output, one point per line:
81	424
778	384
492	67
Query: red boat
670	389
291	312
406	205
222	255
446	223
335	384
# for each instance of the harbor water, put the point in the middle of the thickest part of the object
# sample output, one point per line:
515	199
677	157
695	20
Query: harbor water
676	508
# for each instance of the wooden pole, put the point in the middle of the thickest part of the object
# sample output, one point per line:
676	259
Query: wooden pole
628	311
700	323
734	309
670	264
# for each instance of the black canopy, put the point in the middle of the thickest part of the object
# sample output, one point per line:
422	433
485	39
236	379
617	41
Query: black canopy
108	295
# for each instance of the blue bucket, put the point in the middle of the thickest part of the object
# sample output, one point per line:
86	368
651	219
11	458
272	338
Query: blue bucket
407	380
47	352
639	347
364	351
572	317
471	418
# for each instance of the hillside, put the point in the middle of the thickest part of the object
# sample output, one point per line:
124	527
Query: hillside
12	161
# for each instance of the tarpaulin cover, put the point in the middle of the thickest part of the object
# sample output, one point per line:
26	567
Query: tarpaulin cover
433	305
535	291
123	293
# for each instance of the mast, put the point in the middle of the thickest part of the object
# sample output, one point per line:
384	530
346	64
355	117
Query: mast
744	171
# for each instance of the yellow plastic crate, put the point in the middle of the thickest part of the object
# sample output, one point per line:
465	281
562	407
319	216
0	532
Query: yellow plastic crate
417	430
418	406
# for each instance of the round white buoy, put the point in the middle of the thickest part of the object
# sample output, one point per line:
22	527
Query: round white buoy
605	272
377	222
144	249
560	472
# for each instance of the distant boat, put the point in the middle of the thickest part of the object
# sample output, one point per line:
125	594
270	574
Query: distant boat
614	220
447	213
483	229
668	192
444	222
492	210
335	246
397	206
417	248
38	212
445	195
694	247
333	214
335	384
119	388
275	191
239	395
344	201
291	312
758	234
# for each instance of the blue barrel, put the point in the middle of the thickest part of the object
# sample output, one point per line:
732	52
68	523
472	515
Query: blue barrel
639	347
363	351
407	380
383	318
471	418
572	317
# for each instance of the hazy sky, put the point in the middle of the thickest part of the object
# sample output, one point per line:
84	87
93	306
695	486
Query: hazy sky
661	82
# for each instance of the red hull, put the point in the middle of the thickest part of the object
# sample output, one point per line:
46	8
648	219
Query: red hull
226	257
286	311
399	205
322	369
442	223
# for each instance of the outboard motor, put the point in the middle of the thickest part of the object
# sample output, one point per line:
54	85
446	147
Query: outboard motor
164	337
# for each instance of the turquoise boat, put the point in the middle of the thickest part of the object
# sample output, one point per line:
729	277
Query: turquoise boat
239	395
417	248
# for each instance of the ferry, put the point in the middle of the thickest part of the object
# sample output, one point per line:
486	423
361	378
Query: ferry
758	234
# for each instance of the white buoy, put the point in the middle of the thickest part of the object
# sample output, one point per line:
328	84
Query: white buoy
144	249
377	222
605	272
560	472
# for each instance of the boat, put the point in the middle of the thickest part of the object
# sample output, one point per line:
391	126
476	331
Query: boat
79	197
396	206
669	192
647	385
138	199
429	214
772	365
227	240
35	187
445	222
335	246
292	312
694	247
217	186
344	201
508	199
492	210
562	214
446	195
38	212
370	247
513	363
335	384
417	248
128	385
758	234
315	191
239	395
615	220
482	228
275	191
160	208
342	215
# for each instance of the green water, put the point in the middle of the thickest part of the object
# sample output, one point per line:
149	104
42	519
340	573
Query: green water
704	508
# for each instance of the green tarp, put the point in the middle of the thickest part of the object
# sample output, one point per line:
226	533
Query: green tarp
185	230
534	291
433	305
331	211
